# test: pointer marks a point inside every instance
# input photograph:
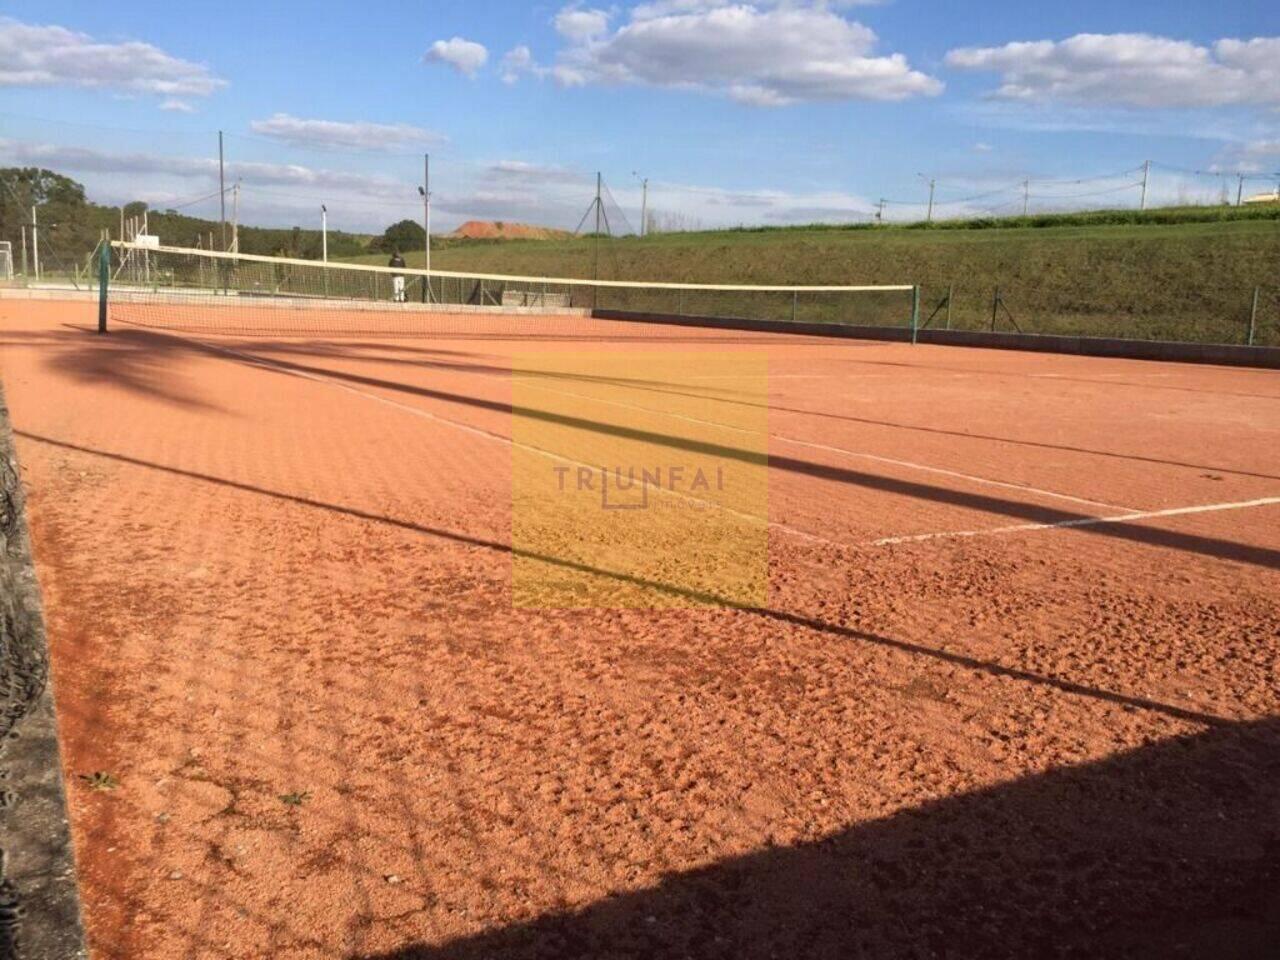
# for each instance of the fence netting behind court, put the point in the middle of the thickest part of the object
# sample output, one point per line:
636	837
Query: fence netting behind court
214	292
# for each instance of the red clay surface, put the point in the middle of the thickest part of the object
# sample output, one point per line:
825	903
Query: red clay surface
279	568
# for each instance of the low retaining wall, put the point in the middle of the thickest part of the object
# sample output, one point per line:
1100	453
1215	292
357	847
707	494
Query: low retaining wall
39	902
1221	353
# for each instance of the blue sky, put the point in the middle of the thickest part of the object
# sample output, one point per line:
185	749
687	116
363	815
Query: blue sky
737	112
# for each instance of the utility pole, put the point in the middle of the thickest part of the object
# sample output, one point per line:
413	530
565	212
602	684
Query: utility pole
644	202
880	211
1239	189
35	243
1146	173
1026	196
595	264
932	184
222	192
324	233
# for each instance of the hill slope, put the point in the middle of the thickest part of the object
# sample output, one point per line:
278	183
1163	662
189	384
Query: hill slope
1190	281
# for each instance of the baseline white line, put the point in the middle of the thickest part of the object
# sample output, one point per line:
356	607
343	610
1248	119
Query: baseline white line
942	471
1080	522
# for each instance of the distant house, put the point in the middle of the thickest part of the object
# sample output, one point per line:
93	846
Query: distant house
1264	198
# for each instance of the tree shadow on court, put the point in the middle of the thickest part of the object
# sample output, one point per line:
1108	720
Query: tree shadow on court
1171	850
115	362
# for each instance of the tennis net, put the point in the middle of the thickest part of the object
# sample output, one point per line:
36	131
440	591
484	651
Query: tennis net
209	291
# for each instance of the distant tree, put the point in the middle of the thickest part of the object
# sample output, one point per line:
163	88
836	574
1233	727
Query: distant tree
64	215
403	236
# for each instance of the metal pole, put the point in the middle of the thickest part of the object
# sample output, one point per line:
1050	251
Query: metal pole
950	289
1026	196
929	217
426	219
104	276
24	253
1146	173
915	313
35	244
1240	189
222	193
1253	316
995	305
644	206
324	233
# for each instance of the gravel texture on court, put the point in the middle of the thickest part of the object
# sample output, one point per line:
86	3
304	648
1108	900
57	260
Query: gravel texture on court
278	572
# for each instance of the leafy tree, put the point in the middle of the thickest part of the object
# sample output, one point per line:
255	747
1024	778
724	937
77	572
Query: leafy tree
403	236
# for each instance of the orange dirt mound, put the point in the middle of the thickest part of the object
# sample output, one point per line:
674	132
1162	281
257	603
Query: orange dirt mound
499	230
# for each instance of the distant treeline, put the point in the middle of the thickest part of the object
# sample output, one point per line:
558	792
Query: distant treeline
70	224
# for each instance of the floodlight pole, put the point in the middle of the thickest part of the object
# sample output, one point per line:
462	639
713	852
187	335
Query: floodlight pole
1146	173
1026	196
426	221
35	243
324	233
1239	189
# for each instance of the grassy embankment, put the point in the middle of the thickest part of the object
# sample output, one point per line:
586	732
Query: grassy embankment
1160	278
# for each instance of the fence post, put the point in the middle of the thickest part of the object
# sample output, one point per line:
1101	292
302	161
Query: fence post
1253	316
915	312
950	290
794	295
104	277
995	306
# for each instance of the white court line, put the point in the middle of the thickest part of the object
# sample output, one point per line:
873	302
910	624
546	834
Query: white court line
1080	522
499	438
849	453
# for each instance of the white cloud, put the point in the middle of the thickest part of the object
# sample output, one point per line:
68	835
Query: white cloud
982	147
336	133
1131	69
174	105
518	60
1250	157
465	56
763	53
32	55
581	25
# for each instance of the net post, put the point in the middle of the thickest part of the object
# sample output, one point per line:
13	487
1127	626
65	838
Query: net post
915	313
950	291
104	277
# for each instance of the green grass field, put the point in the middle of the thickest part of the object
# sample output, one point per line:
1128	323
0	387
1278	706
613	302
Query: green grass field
1181	281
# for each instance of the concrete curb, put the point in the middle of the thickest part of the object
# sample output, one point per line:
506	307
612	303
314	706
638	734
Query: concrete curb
1219	353
39	901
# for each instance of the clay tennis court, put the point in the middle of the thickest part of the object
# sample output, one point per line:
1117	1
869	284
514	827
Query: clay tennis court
1011	689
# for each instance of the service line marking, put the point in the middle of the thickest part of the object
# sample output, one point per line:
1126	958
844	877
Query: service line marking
1078	522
